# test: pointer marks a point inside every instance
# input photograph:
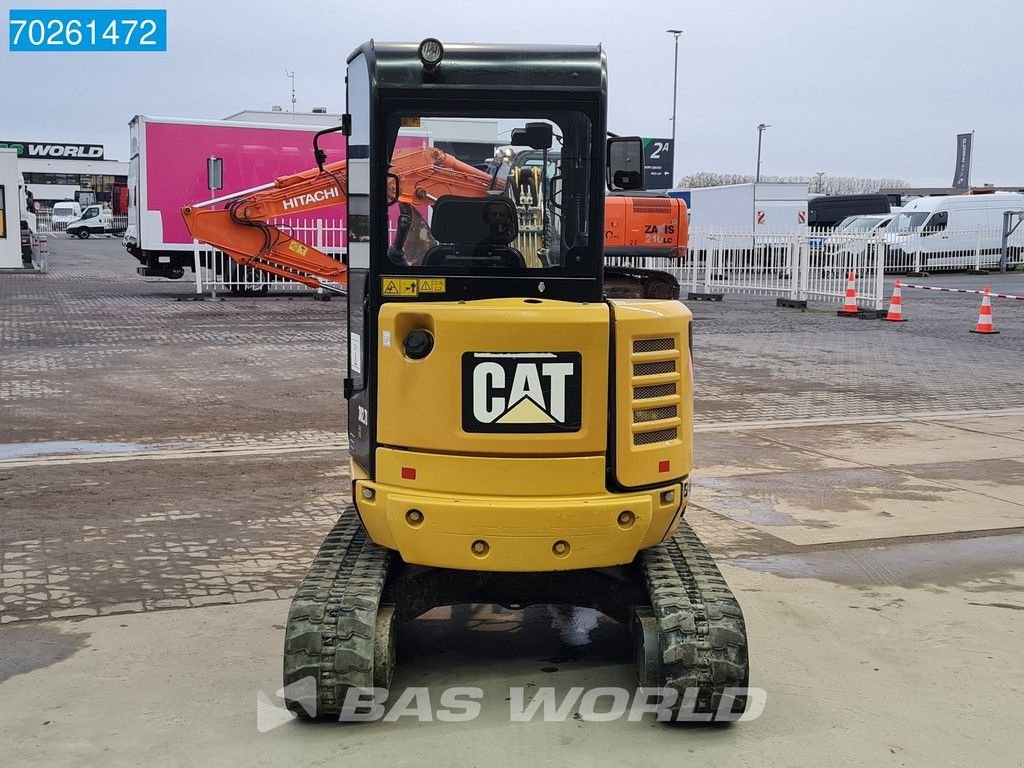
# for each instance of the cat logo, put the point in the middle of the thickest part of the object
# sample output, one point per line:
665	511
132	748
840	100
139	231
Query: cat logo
522	391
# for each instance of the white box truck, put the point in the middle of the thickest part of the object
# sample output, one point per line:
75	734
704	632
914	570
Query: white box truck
749	207
746	225
168	169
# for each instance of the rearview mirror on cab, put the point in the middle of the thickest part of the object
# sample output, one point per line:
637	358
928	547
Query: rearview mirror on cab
534	136
625	163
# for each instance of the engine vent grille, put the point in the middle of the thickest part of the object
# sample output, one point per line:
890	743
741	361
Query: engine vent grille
653	345
652	205
652	369
648	438
657	390
655	414
653	360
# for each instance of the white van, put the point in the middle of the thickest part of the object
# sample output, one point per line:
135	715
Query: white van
95	220
63	214
960	231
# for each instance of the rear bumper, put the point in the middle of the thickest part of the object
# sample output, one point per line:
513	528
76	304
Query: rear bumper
579	527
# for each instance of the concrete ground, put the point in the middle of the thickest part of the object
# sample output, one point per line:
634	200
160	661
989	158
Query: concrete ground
167	469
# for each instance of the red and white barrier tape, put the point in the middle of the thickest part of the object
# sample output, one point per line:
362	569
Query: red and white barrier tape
961	290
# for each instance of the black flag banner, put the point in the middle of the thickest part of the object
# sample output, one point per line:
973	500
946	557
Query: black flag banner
962	174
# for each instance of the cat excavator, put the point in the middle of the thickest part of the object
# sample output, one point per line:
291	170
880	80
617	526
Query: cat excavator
516	436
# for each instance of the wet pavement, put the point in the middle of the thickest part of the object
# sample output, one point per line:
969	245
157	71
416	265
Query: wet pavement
168	467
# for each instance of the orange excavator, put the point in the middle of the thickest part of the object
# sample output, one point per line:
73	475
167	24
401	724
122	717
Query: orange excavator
636	228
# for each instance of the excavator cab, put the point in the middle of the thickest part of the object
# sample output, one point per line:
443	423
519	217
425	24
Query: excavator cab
515	436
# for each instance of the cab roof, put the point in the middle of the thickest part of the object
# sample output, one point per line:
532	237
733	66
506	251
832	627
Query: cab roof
488	67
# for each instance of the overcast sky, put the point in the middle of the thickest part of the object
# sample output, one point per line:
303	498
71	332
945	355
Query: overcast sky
868	88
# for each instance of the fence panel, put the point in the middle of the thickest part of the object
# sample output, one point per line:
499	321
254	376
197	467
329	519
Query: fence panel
743	262
215	271
950	250
45	225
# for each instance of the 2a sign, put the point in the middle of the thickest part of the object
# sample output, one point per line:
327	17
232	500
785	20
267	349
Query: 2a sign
522	391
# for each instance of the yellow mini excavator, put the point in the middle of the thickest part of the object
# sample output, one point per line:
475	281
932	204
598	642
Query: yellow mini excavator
516	436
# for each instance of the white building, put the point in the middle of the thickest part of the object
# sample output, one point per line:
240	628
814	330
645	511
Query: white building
56	171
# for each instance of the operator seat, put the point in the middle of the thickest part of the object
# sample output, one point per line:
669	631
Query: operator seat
474	232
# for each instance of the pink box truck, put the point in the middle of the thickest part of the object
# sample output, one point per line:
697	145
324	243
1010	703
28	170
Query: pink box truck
168	169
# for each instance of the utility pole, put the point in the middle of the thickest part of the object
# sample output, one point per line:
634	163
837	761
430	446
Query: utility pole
760	131
675	93
820	175
291	74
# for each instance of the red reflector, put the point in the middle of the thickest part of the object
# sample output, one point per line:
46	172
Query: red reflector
664	466
408	473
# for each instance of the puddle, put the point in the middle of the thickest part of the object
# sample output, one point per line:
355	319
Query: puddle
744	509
913	564
65	447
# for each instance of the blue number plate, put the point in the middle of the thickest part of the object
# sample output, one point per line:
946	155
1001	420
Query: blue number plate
45	29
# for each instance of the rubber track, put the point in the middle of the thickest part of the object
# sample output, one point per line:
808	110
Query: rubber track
332	618
646	278
703	643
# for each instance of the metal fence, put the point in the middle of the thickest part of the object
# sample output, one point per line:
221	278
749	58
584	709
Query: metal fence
799	265
807	264
215	271
923	252
45	225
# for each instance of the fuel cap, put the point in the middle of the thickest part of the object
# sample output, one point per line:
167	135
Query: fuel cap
418	344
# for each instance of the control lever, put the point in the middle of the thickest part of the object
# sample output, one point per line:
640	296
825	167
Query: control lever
396	251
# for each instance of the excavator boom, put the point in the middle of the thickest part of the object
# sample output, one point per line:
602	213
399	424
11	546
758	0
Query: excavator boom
242	228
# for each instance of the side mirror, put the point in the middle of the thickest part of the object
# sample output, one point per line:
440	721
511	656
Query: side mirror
625	163
394	187
534	136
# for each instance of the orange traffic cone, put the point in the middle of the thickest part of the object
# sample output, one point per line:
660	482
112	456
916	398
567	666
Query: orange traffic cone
895	314
985	315
850	307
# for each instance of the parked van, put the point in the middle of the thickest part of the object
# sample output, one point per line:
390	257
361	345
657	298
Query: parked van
827	212
95	220
853	237
63	214
958	231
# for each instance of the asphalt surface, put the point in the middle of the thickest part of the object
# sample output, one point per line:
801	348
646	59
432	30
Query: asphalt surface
168	467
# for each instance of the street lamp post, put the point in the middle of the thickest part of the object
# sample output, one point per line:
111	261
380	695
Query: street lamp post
760	132
675	87
820	175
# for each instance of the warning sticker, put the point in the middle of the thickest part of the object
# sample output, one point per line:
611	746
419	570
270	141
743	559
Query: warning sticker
297	247
432	285
397	286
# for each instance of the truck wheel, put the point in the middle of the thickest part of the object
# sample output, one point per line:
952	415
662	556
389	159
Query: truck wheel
83	234
176	273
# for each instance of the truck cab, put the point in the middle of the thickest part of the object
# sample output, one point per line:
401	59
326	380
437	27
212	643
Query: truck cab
95	220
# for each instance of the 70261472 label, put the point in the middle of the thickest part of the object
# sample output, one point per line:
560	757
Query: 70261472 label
80	29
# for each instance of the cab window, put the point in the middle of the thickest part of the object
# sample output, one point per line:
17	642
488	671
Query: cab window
525	210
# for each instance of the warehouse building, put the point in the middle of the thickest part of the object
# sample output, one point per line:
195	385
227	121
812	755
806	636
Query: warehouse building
56	171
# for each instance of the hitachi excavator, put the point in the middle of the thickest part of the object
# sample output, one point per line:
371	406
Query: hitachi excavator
516	437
